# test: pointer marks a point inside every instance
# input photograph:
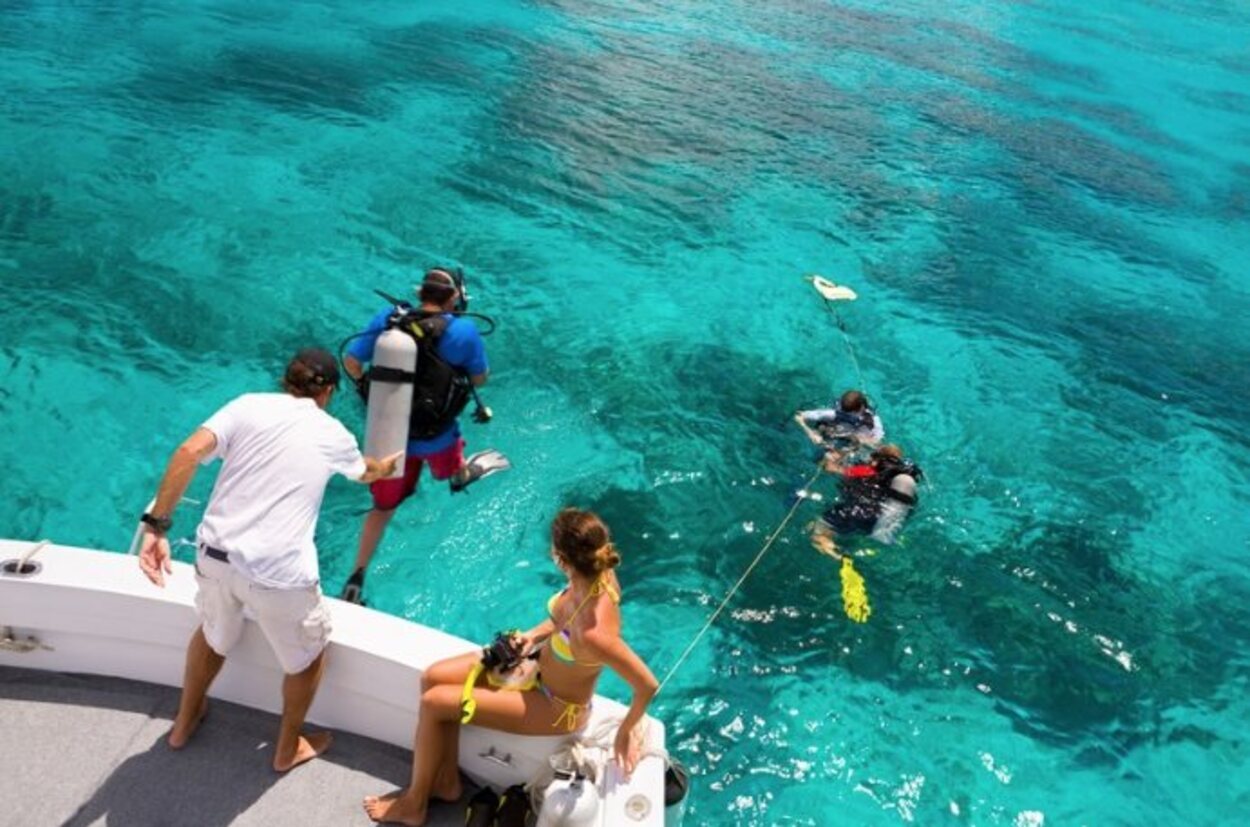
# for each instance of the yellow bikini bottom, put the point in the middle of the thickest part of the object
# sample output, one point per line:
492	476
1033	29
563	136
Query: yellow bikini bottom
570	712
520	679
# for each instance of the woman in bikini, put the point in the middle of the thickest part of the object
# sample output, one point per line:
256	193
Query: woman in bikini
580	636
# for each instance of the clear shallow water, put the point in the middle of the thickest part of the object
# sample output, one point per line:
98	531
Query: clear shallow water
1044	211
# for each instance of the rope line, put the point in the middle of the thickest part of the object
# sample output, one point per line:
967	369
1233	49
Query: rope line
850	351
758	557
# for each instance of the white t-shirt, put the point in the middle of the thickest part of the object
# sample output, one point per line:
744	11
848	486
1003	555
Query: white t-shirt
278	454
828	417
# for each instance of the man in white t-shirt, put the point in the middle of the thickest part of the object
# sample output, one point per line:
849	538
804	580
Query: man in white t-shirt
255	543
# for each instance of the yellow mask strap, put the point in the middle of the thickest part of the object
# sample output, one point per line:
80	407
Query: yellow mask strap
468	706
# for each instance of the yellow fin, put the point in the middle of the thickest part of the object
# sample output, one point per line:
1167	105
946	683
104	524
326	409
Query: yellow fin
854	595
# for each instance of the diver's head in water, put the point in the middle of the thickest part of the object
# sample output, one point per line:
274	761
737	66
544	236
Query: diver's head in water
581	543
887	455
439	290
853	401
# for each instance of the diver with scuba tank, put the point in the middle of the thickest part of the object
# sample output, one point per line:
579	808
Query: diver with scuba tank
425	364
875	498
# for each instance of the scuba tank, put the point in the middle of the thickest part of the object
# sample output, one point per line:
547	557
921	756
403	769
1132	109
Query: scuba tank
895	506
570	800
391	374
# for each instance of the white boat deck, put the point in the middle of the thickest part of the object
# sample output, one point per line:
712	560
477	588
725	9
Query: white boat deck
91	658
90	750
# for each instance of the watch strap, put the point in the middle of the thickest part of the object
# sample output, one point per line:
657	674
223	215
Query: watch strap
159	524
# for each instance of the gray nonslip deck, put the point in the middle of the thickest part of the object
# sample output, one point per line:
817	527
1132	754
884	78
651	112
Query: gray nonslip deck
84	750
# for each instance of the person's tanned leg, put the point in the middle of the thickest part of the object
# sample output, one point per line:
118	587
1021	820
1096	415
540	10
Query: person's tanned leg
822	538
439	713
409	805
297	695
528	713
202	667
446	785
371	534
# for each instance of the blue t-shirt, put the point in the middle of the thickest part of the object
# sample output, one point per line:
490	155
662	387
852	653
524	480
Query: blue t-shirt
460	346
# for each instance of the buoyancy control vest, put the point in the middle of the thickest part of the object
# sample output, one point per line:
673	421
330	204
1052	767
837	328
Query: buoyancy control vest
440	391
885	475
869	492
845	424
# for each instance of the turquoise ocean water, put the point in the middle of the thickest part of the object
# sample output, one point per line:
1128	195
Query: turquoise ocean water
1045	208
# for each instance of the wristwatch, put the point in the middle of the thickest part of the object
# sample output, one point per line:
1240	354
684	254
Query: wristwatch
160	525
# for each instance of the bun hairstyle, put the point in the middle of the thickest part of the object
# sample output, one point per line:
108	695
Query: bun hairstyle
582	541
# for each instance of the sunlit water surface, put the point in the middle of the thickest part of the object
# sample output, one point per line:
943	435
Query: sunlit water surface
1044	207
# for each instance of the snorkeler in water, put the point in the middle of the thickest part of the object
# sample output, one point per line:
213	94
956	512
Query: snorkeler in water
844	428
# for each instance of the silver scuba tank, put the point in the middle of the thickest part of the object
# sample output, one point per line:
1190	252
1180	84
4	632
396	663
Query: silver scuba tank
570	800
390	396
894	512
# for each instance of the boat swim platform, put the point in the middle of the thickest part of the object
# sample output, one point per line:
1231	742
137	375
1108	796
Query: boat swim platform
89	750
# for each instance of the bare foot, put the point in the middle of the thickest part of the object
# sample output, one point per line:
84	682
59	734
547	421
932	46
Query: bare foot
308	748
449	792
395	808
181	732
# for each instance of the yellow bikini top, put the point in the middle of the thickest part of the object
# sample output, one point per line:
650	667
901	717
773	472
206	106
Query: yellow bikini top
560	642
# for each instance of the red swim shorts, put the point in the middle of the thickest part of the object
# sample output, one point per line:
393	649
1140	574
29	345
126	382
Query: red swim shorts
388	494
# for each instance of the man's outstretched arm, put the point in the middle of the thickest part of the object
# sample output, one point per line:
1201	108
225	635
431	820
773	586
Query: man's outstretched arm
376	469
154	556
801	419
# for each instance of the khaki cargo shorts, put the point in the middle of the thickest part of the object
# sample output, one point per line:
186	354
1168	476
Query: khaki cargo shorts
296	622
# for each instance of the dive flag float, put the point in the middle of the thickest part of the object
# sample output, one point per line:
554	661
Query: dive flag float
833	292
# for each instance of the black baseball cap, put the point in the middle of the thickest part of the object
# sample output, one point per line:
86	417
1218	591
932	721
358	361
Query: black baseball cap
324	367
